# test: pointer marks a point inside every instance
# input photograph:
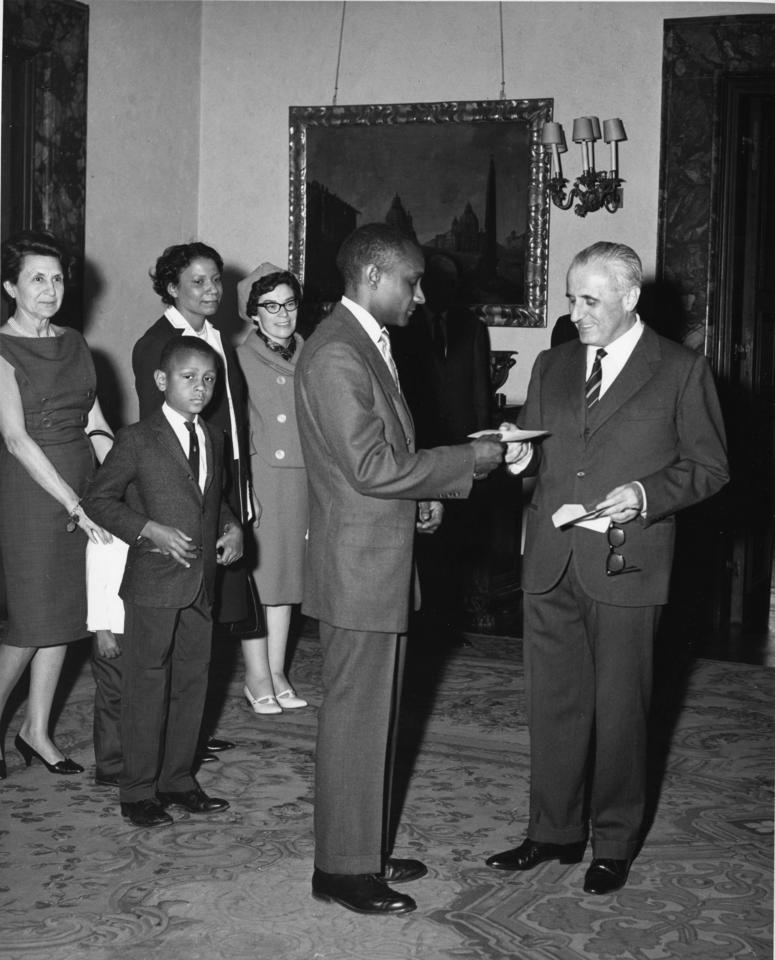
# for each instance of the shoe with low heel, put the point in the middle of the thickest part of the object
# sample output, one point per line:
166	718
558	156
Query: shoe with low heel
65	766
288	700
264	705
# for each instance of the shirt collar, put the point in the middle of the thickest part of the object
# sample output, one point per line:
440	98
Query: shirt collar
362	315
179	322
175	419
623	345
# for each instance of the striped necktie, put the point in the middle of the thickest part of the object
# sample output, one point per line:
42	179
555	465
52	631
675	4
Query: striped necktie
384	347
592	388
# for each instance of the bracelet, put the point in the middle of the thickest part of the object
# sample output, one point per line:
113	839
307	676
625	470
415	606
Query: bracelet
73	518
100	433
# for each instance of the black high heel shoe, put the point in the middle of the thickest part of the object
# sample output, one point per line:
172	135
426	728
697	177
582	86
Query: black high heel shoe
62	766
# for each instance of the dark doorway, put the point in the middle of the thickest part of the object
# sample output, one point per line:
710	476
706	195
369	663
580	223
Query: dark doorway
715	254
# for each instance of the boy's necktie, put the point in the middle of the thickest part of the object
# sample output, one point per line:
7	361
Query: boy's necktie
592	388
193	449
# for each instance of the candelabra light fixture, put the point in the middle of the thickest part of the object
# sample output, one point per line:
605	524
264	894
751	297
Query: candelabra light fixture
593	189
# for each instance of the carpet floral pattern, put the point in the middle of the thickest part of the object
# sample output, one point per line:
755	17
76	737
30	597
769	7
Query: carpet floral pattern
80	882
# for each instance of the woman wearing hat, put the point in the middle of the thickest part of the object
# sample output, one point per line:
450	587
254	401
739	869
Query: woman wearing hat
268	359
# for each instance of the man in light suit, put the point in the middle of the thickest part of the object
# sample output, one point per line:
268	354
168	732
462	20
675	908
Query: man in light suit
634	434
365	481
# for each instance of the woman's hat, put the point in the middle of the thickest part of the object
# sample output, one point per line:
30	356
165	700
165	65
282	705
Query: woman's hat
244	286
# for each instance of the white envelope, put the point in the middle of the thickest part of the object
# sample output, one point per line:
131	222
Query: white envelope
511	436
576	514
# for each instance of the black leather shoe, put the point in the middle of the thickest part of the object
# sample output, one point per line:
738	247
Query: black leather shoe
530	853
205	756
146	813
194	800
360	892
402	871
106	779
214	745
606	876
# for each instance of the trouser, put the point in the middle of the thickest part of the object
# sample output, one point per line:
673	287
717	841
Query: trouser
166	658
588	675
107	713
357	727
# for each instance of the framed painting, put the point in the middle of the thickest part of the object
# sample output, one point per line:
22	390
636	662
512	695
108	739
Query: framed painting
466	179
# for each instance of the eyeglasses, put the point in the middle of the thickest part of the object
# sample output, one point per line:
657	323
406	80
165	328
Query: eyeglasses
273	307
615	562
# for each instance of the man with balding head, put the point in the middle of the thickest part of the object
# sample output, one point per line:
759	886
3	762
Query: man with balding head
634	435
370	489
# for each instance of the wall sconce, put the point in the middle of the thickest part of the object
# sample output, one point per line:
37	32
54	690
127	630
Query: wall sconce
592	189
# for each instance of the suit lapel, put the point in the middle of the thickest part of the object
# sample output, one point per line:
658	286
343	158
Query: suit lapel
638	370
371	355
169	441
210	457
574	377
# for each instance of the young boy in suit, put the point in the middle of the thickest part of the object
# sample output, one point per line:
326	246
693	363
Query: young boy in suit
160	490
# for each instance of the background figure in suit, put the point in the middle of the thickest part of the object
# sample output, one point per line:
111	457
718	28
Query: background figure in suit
365	478
635	432
160	490
443	360
563	331
187	277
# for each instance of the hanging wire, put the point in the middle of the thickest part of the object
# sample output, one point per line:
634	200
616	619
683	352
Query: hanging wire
503	68
339	54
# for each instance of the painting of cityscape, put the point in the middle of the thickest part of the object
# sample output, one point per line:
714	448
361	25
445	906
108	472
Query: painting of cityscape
467	179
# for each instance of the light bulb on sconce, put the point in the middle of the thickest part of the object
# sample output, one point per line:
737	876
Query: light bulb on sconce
592	189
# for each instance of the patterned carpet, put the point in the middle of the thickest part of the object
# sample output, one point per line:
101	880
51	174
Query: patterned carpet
79	882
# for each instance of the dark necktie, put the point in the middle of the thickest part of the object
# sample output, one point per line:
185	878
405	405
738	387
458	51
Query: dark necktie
592	388
193	449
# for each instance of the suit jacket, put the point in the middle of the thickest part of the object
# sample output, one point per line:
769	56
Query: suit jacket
449	396
145	360
364	477
659	423
146	476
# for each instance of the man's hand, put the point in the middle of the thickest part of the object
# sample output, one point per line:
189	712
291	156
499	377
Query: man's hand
429	516
171	542
229	544
622	504
488	454
107	646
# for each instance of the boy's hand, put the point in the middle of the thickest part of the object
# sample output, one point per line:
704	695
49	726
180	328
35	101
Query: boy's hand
229	544
106	644
171	542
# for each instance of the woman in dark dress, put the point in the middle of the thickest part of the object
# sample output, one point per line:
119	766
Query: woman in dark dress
48	405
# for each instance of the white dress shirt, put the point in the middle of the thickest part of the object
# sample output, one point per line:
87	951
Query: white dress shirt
178	423
374	332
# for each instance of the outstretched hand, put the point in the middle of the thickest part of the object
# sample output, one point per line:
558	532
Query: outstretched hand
488	454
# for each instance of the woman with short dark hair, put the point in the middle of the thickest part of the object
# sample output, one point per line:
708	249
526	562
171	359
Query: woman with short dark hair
48	407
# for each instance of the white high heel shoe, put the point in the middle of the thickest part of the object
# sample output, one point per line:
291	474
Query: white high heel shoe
264	705
289	701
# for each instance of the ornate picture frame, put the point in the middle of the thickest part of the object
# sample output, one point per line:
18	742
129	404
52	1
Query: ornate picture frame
464	178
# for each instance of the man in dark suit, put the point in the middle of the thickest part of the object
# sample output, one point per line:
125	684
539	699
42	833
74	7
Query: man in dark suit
634	434
443	360
160	490
365	481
